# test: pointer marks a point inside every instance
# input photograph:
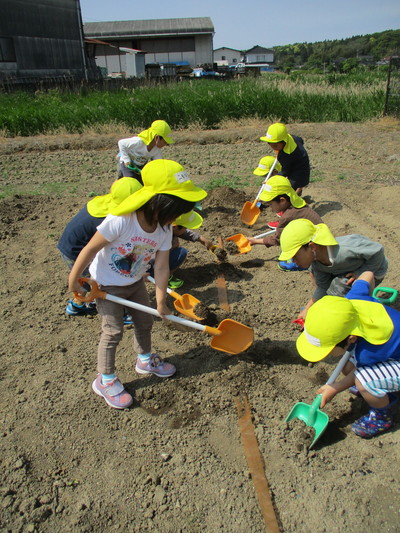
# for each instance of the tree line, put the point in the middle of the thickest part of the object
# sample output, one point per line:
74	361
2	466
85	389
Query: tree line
344	55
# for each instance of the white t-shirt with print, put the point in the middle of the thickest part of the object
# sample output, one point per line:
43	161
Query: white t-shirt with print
126	258
135	150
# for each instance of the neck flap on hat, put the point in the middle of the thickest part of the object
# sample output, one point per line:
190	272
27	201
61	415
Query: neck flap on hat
374	323
290	145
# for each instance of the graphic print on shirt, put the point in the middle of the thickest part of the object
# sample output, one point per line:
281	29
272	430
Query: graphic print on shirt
131	259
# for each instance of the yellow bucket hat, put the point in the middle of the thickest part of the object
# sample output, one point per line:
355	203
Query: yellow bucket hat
332	318
277	133
300	232
161	176
265	164
191	220
278	185
101	206
158	127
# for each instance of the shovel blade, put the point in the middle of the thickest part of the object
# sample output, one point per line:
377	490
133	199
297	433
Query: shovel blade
241	242
311	415
249	214
234	337
185	304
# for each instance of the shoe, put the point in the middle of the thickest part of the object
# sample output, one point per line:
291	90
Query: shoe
272	225
128	320
376	421
156	366
175	283
289	266
74	309
279	214
113	392
353	390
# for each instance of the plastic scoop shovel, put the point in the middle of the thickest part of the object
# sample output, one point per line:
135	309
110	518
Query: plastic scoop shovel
311	414
250	211
184	304
242	242
230	336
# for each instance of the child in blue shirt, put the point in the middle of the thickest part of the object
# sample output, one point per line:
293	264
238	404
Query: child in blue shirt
370	330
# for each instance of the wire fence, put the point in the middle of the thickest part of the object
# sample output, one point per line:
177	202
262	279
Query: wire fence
392	101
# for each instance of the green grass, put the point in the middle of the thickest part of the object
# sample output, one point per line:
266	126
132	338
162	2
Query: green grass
292	98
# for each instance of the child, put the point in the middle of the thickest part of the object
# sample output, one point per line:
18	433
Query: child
136	151
291	155
138	230
81	229
335	263
358	322
283	199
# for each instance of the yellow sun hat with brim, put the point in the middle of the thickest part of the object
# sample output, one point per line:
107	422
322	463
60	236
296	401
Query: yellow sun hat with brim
277	133
191	220
158	127
333	318
300	232
161	176
101	206
278	185
265	165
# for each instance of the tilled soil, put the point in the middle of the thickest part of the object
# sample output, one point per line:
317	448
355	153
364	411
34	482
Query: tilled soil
174	462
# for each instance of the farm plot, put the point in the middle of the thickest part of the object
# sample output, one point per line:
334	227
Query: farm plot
174	462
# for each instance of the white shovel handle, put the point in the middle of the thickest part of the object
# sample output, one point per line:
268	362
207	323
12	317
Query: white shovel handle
339	368
267	178
264	234
151	311
153	281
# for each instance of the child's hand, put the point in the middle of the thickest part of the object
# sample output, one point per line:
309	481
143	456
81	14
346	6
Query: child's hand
255	241
351	278
162	308
328	393
302	315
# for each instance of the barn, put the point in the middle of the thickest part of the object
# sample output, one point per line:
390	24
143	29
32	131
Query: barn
183	41
42	38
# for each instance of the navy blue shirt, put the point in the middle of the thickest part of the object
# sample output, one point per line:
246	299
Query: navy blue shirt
295	166
368	354
78	233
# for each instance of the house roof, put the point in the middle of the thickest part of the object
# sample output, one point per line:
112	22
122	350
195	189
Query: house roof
148	28
259	50
227	48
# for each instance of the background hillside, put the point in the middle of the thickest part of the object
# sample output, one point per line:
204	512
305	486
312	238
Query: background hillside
340	55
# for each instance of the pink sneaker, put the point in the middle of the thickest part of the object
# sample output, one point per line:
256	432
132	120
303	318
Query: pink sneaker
272	225
113	392
156	366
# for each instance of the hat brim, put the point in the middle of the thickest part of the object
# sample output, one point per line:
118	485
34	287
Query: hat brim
136	200
168	140
260	172
273	141
309	352
289	254
191	220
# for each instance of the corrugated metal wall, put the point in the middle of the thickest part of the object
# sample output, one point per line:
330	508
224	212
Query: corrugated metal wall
47	38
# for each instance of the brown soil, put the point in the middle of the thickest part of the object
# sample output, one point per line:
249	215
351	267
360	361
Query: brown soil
174	462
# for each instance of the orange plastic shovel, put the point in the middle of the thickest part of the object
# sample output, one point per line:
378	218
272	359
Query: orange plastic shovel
230	336
242	242
250	211
184	304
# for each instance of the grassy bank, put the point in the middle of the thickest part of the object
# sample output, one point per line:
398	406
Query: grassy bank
202	102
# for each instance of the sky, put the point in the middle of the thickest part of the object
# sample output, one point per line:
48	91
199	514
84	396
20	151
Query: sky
241	26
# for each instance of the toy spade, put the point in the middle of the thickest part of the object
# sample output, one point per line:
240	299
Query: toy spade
242	242
230	336
311	414
250	211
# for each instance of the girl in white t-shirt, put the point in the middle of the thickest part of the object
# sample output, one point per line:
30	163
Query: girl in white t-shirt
136	151
137	231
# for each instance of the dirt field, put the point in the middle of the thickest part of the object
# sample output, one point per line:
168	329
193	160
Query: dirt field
174	462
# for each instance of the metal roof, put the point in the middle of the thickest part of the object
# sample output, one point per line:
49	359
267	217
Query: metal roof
148	28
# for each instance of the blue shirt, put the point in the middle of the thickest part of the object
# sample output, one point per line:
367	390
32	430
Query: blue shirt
78	233
366	353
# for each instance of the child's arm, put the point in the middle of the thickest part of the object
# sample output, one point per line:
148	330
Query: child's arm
329	391
303	312
86	256
161	276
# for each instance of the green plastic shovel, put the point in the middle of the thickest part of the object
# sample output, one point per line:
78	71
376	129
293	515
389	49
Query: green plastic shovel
311	414
392	295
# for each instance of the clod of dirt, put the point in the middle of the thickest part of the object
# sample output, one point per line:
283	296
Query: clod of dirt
231	248
201	311
221	254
